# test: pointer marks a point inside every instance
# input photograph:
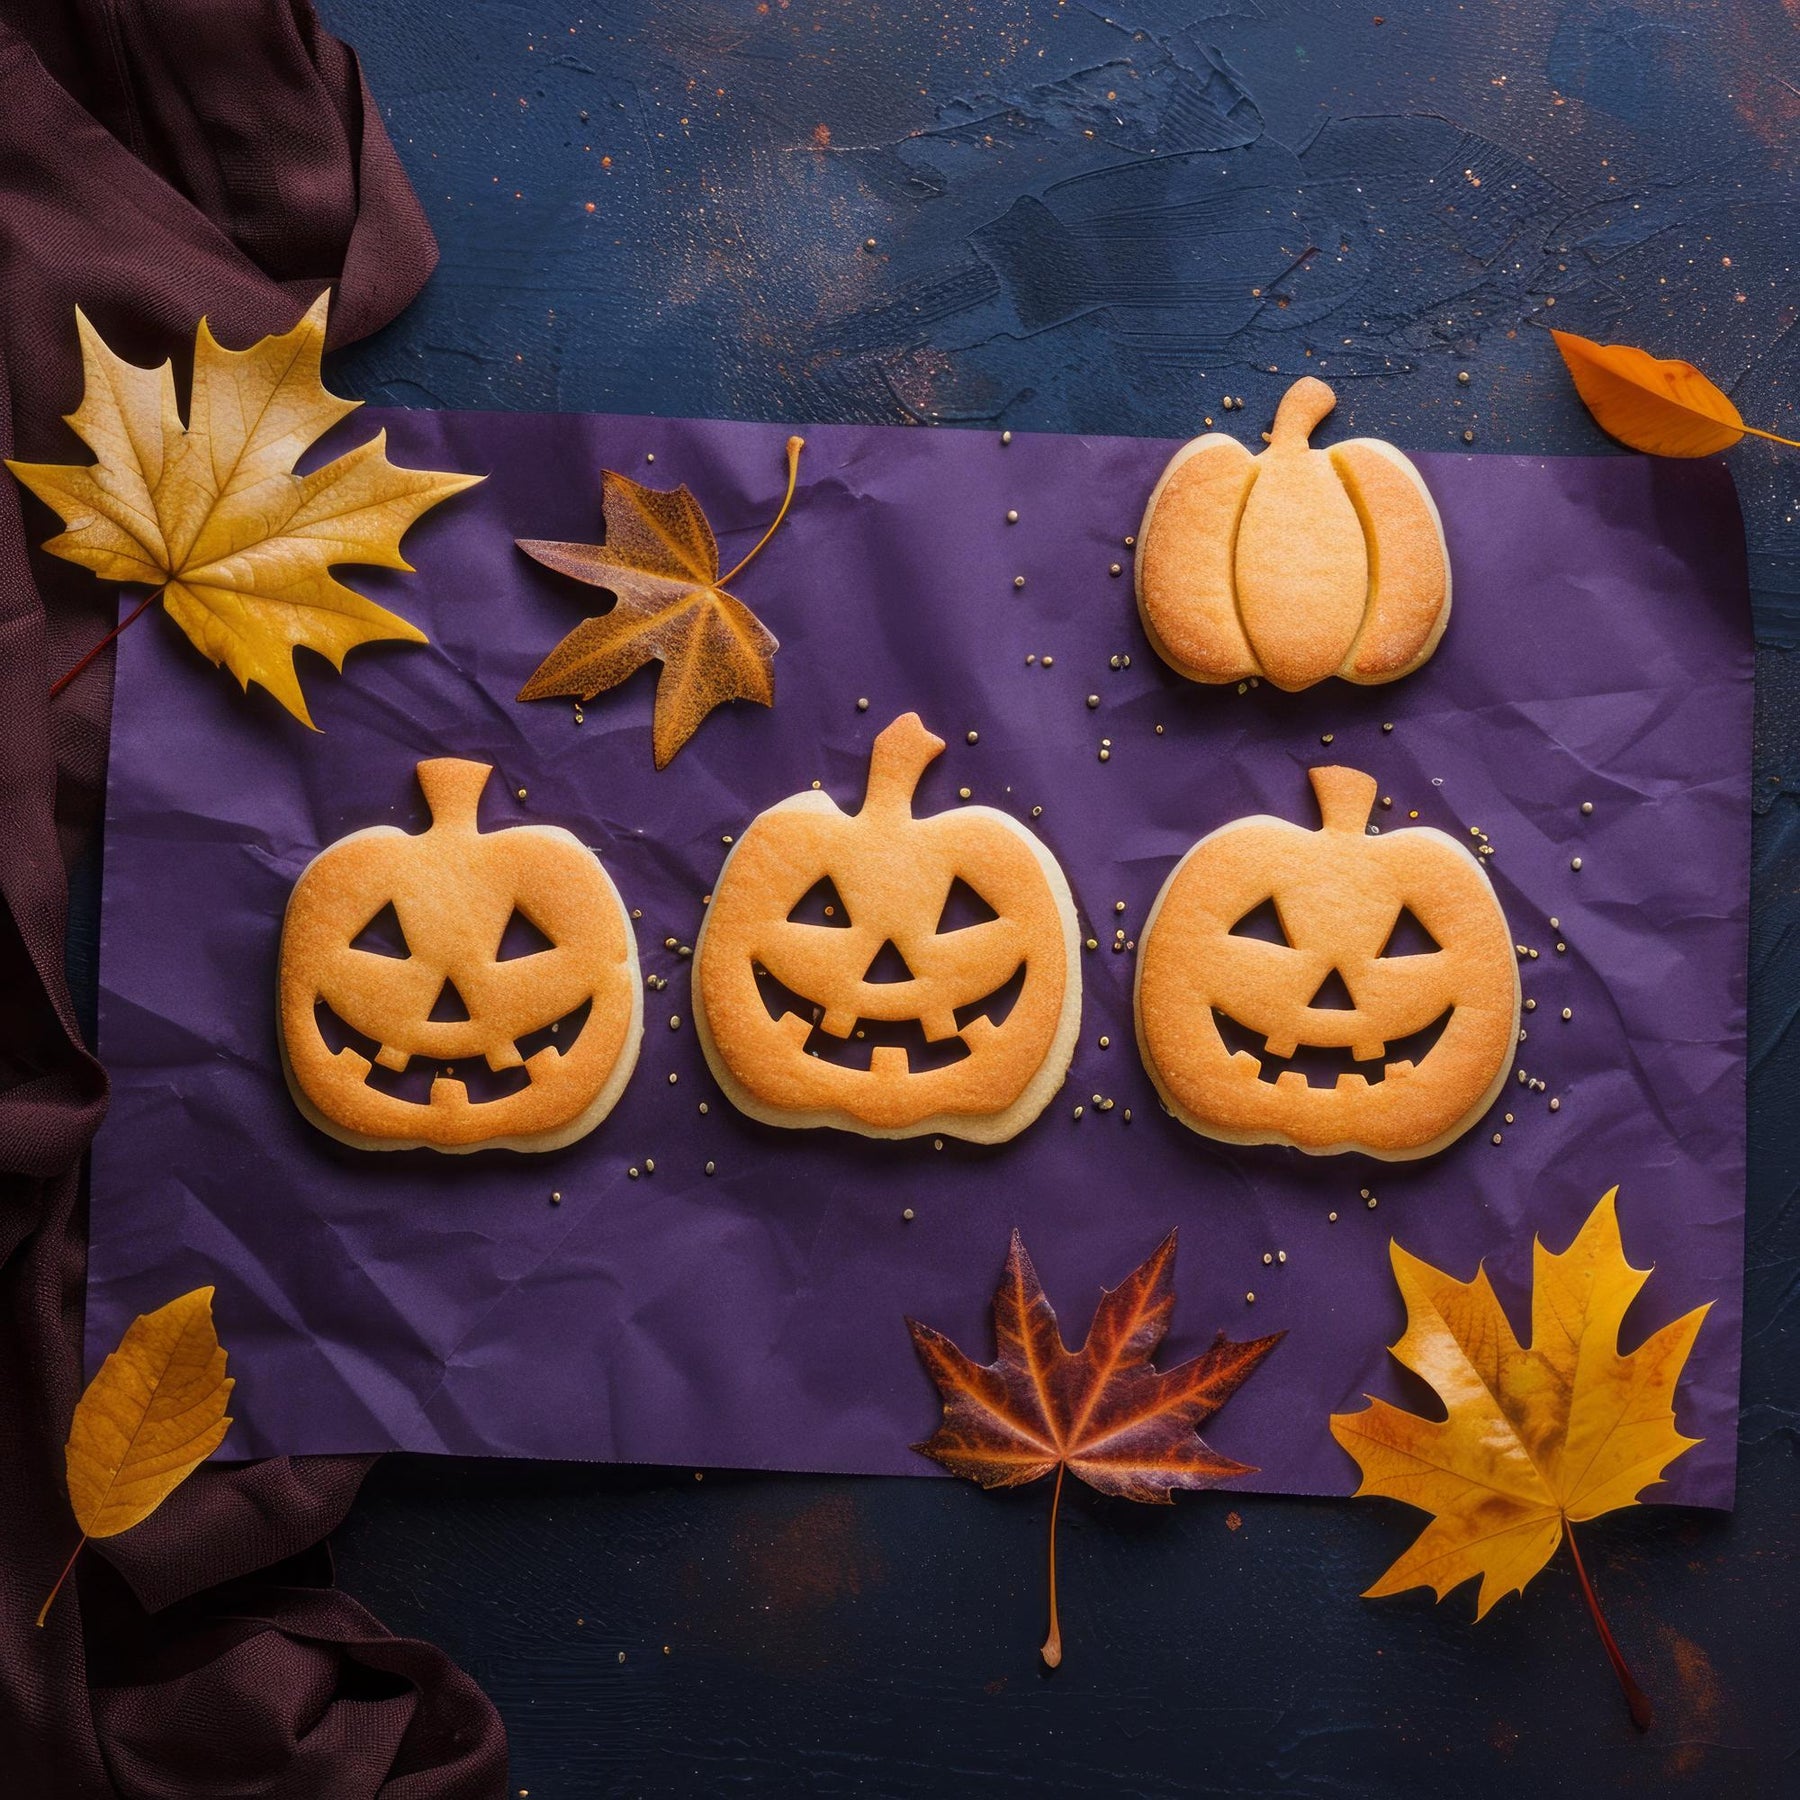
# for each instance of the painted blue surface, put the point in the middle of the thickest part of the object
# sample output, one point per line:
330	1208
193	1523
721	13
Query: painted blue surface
1088	218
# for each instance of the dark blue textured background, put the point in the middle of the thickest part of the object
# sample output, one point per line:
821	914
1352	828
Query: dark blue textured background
1103	218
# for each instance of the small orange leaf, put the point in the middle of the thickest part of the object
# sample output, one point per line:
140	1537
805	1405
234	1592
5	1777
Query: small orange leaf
148	1419
1665	407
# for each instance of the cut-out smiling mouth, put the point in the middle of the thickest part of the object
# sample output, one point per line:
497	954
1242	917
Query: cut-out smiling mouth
481	1082
1323	1065
906	1035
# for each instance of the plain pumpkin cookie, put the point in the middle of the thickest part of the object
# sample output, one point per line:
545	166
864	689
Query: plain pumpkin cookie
888	974
1295	564
1328	989
455	988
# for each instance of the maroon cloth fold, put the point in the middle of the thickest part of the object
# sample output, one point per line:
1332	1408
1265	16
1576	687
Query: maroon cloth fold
160	159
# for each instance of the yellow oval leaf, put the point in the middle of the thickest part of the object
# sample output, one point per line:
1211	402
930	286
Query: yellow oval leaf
1665	407
149	1418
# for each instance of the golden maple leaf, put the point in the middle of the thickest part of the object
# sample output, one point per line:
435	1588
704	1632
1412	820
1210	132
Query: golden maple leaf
660	561
1536	1437
152	1414
213	514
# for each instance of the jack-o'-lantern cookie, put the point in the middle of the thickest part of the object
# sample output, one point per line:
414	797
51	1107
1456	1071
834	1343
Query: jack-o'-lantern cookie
1295	564
888	974
457	988
1328	989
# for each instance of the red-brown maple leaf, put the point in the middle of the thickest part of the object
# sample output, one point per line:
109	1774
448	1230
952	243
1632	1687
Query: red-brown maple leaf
1102	1412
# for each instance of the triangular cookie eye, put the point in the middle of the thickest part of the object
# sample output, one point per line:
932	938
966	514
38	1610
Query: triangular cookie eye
963	907
382	935
1263	921
1409	937
521	938
821	904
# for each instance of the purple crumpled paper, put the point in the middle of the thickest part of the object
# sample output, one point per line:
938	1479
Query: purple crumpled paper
1599	651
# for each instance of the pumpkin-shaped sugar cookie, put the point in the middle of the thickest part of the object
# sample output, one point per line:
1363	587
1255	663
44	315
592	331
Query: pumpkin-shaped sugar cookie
888	974
1328	989
1295	564
457	988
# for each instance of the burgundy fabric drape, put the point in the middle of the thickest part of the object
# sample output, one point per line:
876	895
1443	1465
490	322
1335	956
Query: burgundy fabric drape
160	159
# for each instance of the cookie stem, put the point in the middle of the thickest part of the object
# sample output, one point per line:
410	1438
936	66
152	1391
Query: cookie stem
1346	797
898	759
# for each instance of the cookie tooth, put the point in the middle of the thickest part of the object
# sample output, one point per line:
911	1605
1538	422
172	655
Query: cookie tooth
1397	1071
390	1058
940	1025
505	1056
1293	1081
888	1059
794	1028
541	1062
354	1060
448	1091
1352	1082
839	1021
1242	1059
1369	1049
975	1034
1281	1048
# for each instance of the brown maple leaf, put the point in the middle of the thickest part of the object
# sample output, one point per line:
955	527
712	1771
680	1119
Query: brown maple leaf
1102	1411
661	562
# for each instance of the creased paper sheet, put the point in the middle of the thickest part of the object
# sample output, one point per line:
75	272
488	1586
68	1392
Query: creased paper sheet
1599	651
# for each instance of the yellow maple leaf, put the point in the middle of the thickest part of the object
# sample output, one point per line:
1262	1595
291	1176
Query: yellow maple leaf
1536	1436
212	513
152	1414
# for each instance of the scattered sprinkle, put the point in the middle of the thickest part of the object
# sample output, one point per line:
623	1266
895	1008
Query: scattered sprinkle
556	1197
908	1215
1556	1106
1575	864
862	705
1568	1012
710	1168
674	1021
1006	437
1093	700
1115	569
1496	1137
1019	582
1587	809
1012	515
1462	375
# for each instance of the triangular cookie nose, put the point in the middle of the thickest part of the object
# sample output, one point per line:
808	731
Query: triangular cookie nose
448	1009
888	965
1333	995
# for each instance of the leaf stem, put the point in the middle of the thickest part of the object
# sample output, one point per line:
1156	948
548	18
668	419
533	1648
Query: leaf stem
1636	1699
794	446
63	680
1052	1650
1752	431
44	1610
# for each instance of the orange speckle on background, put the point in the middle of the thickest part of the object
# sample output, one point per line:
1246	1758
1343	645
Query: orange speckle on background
822	136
